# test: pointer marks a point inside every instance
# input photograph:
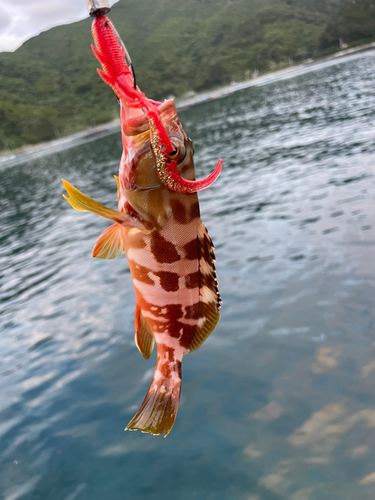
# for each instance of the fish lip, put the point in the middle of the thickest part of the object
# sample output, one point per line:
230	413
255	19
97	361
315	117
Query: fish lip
139	124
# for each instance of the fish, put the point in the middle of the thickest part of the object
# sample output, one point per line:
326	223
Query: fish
157	224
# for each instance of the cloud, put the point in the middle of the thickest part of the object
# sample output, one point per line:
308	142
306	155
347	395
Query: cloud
4	20
22	19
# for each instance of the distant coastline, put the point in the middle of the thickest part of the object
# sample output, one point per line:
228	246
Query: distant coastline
36	150
271	76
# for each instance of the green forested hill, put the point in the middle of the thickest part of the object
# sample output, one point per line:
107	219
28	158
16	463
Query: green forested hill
49	86
354	23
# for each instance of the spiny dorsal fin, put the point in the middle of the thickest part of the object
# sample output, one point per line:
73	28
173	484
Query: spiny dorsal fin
144	338
210	300
109	244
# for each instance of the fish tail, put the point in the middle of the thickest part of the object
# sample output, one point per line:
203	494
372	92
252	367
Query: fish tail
159	408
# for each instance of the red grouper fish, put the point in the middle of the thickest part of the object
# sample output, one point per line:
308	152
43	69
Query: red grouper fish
158	225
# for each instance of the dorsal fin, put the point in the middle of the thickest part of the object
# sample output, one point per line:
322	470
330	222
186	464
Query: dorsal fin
144	338
210	315
210	300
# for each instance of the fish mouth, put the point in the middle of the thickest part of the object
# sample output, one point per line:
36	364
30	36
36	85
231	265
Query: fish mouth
136	121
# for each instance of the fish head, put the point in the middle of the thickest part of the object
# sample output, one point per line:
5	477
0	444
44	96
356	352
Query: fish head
140	178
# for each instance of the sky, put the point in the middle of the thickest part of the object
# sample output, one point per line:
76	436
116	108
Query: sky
23	19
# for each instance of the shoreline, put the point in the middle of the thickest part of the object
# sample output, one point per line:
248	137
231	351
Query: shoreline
280	74
31	151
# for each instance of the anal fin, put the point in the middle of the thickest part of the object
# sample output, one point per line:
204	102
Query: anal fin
144	337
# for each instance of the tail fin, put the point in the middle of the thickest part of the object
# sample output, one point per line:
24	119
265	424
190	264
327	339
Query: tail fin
159	408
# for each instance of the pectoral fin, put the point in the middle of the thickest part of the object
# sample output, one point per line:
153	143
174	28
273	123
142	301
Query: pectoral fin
83	203
110	244
118	183
144	338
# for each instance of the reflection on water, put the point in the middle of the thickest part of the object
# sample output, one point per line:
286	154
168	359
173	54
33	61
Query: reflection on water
279	403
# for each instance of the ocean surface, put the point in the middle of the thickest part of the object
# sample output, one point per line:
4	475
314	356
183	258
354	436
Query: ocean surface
279	402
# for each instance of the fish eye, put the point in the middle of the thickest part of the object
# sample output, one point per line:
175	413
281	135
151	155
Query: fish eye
174	153
179	152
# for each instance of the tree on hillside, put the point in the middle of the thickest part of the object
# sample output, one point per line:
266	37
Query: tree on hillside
355	22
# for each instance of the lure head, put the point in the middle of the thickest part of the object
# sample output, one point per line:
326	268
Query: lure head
98	7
